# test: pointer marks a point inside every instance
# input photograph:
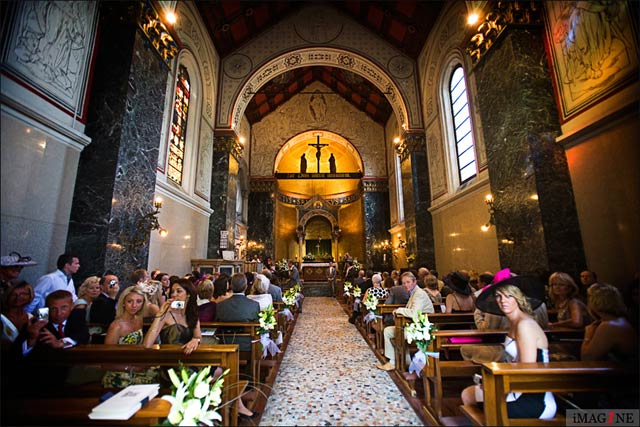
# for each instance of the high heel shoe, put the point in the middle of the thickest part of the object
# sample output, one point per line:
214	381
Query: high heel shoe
253	416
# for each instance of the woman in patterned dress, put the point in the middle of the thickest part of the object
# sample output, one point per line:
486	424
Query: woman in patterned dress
127	326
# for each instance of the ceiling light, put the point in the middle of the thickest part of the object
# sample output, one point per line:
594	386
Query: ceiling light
472	18
171	18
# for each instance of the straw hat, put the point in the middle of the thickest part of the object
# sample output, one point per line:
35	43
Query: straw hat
14	259
482	353
532	287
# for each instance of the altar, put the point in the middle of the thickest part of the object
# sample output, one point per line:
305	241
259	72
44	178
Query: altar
314	271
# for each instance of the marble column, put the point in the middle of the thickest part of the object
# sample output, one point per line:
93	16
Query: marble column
535	215
261	215
117	172
376	221
223	146
417	199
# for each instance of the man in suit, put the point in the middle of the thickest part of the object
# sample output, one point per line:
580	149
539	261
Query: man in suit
331	278
238	308
397	295
419	301
65	327
294	274
103	309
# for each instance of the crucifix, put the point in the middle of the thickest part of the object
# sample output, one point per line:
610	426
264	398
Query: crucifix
318	147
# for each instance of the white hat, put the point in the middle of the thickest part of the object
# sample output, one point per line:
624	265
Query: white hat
14	259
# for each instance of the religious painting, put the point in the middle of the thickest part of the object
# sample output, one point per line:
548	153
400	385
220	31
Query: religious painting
594	51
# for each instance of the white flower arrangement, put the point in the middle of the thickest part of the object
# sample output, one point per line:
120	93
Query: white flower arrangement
347	288
289	297
419	331
267	319
356	292
371	302
193	397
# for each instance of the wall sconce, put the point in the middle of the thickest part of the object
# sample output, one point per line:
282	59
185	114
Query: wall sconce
492	220
143	226
401	244
383	246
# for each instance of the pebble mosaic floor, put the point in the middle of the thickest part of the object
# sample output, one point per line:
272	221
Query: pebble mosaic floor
328	376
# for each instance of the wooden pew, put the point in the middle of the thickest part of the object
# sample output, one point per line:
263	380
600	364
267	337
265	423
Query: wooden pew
378	324
437	369
501	378
100	355
242	329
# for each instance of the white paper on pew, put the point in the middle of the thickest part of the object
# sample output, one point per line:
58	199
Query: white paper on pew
209	332
125	403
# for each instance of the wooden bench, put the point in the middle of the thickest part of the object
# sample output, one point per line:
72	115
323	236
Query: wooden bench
241	329
501	378
100	355
438	369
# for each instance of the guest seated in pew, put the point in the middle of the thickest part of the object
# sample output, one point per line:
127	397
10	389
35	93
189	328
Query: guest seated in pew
260	291
418	302
610	337
221	289
274	290
127	326
206	306
238	308
15	320
525	342
397	295
461	300
377	290
103	309
572	312
88	292
431	289
165	281
178	323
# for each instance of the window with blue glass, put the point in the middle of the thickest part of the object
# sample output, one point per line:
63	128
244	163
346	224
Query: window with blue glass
465	150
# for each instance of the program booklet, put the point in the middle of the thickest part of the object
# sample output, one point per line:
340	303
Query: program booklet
125	403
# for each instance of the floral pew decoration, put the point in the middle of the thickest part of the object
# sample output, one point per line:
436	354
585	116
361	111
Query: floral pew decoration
371	303
356	292
296	290
267	319
289	300
347	289
195	398
420	331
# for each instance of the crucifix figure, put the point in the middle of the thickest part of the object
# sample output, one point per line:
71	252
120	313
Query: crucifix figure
318	147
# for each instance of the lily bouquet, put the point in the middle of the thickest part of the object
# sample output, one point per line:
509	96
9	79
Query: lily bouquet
356	291
282	265
194	394
420	332
347	288
289	297
371	302
267	319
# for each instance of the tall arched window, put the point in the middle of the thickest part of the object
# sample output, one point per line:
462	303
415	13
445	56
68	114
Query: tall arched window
465	150
179	126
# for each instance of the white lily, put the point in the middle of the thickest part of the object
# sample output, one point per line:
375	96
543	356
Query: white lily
201	390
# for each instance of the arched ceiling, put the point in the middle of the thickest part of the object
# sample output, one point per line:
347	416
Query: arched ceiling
404	24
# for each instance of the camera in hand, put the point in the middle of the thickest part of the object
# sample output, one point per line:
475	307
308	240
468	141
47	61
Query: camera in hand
43	313
178	305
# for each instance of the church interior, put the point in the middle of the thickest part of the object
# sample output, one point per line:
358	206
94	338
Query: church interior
190	135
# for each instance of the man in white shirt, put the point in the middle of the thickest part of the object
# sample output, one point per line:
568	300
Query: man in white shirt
68	264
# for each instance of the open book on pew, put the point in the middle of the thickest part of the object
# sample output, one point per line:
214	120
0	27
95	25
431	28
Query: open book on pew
125	403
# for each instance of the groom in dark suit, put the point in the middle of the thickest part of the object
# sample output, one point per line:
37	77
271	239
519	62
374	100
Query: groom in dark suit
238	308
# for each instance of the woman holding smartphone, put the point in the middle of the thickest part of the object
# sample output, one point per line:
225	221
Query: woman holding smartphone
177	320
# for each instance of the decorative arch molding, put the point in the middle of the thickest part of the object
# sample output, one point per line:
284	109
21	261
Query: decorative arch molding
326	135
322	56
304	219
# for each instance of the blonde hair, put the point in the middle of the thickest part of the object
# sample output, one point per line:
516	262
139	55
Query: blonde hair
561	278
205	289
131	290
516	293
607	299
84	288
259	287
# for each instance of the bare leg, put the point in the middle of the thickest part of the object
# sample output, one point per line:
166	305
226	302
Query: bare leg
469	395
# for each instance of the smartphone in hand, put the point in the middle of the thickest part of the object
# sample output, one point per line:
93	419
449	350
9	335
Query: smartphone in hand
43	313
177	305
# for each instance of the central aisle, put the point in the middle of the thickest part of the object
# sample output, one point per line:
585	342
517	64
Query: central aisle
328	376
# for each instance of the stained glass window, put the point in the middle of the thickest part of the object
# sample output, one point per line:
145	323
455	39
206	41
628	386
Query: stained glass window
179	126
